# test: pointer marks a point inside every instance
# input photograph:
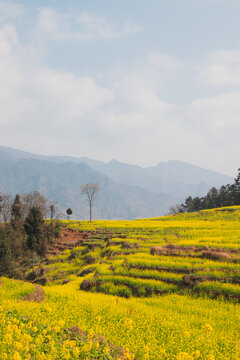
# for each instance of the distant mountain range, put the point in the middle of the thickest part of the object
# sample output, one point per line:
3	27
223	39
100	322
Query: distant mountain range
127	191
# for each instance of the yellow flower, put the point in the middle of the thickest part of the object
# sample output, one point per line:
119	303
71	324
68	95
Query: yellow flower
207	327
197	354
16	356
90	334
84	328
39	339
7	338
186	334
65	353
184	356
146	349
99	318
128	356
210	357
42	356
61	323
18	346
162	352
57	329
76	351
53	352
128	323
106	350
51	343
85	348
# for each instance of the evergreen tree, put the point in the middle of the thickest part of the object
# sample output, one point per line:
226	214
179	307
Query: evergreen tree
237	188
16	212
227	195
34	228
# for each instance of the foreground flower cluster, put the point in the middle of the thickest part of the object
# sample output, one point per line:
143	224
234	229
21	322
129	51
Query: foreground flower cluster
70	324
22	338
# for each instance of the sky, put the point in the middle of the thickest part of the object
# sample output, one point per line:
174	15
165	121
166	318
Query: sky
134	80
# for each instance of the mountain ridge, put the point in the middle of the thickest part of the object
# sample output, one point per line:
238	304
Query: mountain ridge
128	191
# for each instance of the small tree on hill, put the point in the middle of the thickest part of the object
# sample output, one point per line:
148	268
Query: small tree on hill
69	212
90	191
52	212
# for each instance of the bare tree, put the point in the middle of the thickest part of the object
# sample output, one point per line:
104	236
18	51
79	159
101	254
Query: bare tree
5	207
54	211
90	191
35	199
173	210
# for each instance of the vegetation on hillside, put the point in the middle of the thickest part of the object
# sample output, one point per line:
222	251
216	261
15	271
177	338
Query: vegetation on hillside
226	195
24	234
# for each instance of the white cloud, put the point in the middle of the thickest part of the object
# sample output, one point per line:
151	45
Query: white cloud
163	61
217	113
10	11
222	68
59	27
137	91
100	27
31	93
227	57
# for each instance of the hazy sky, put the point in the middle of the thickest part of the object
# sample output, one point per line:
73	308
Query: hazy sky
135	80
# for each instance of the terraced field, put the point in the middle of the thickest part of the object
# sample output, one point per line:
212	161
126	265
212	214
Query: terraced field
197	254
152	289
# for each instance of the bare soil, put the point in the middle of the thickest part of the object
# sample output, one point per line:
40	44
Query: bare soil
36	296
68	239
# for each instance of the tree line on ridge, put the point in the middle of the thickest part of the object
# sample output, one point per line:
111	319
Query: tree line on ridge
226	195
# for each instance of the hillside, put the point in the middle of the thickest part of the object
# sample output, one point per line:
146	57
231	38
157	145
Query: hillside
180	275
128	191
198	253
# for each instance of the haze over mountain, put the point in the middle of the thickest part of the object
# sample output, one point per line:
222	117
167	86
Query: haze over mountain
127	191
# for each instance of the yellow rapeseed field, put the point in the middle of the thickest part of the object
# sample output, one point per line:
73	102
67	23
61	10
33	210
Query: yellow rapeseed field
156	315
